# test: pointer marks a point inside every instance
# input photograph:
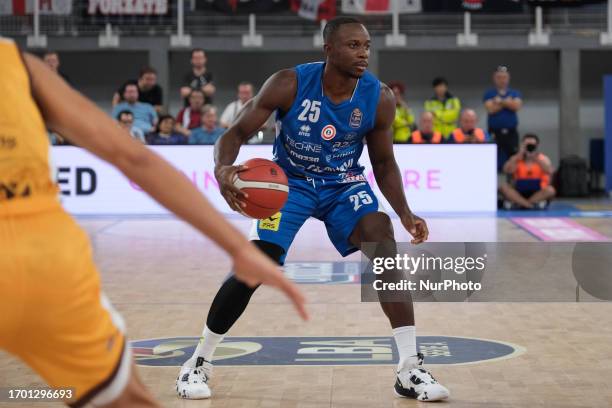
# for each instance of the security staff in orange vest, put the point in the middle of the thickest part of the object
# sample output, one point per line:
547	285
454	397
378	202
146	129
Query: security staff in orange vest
426	133
467	132
530	170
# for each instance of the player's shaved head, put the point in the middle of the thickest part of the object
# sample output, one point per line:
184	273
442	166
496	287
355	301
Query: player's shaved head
334	25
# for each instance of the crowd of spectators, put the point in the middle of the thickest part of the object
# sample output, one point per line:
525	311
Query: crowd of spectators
138	106
527	171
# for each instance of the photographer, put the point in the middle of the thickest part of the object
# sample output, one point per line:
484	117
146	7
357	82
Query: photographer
530	170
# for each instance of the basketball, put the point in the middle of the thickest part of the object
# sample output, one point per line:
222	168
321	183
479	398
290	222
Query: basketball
266	185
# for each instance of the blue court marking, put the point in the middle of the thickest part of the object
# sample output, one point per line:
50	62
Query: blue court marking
317	351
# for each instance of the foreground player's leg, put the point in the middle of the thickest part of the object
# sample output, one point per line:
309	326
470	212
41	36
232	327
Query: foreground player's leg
134	395
228	305
413	381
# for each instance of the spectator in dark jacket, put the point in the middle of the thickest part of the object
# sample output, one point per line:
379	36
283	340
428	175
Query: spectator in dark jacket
164	133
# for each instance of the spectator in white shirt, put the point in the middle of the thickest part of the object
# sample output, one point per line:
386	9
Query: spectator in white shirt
245	93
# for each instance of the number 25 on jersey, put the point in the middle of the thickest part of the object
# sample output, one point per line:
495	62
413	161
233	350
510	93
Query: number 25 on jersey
311	111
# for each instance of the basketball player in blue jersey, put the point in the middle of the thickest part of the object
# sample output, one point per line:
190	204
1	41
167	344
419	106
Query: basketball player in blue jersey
325	110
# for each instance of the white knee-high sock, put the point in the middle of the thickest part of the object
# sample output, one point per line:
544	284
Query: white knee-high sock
207	345
405	339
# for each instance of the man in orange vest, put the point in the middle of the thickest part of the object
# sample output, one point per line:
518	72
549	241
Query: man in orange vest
426	133
530	171
467	132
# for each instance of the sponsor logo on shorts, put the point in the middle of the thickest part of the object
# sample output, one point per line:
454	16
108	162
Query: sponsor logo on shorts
331	351
271	223
355	120
351	178
328	132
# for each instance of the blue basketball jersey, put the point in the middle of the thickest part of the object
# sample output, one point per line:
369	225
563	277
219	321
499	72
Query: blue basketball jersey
320	139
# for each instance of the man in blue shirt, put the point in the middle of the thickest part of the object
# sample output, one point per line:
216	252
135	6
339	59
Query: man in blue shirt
209	132
145	117
502	104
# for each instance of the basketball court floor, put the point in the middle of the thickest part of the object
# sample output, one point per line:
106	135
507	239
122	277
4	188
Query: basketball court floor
162	277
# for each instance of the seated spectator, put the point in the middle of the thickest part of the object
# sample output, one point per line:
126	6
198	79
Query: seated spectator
164	133
530	171
148	89
189	117
404	118
126	121
51	58
467	132
145	116
245	93
199	77
209	132
426	132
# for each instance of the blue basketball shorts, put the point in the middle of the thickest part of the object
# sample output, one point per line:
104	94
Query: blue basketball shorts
339	205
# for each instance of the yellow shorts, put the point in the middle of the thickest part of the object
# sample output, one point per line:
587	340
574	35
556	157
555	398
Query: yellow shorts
53	314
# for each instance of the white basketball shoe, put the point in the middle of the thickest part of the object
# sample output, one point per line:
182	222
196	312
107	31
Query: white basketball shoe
413	381
192	382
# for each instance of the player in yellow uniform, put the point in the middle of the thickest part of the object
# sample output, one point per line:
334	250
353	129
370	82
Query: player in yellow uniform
53	314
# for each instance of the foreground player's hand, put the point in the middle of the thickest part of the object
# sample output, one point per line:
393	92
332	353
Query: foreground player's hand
417	227
253	267
225	177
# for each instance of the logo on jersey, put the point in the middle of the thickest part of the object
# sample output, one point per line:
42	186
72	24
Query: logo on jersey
355	120
7	142
304	131
271	223
350	136
328	132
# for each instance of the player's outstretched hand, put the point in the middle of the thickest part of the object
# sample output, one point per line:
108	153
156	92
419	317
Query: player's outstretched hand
417	227
253	267
225	177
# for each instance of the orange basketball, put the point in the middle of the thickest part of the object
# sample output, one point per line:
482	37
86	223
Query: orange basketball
267	186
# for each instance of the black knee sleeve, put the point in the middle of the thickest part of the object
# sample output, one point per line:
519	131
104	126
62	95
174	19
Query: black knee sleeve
233	297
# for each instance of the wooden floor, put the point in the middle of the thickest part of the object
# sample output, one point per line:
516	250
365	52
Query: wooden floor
164	283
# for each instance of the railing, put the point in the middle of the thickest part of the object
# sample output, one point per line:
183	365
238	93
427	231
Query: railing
578	21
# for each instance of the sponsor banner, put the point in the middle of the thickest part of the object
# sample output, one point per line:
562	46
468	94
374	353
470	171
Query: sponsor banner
128	7
243	6
474	5
380	6
436	178
331	351
23	7
314	9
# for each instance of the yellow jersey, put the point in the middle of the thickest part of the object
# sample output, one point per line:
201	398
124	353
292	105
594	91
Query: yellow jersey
25	176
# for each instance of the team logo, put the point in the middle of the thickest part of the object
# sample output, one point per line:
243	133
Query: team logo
331	351
328	132
355	120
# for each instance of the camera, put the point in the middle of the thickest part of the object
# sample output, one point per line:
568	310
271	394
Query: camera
531	147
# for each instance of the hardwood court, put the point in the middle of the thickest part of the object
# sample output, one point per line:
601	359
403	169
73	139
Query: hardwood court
162	277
